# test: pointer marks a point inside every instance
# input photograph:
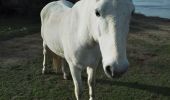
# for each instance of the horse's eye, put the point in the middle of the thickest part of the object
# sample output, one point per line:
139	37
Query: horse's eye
97	13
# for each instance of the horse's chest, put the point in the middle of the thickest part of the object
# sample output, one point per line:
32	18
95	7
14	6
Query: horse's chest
88	56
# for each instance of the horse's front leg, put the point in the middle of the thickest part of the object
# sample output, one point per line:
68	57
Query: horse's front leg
91	81
45	56
76	75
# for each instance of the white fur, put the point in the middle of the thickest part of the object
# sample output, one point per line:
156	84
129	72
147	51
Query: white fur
79	36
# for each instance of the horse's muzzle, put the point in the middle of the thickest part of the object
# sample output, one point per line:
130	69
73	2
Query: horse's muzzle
115	71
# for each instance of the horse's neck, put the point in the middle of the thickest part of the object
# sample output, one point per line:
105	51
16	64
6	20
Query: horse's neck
84	31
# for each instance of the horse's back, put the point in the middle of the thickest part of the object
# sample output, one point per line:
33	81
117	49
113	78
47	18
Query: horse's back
55	7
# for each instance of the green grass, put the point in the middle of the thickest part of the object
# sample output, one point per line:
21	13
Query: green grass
148	77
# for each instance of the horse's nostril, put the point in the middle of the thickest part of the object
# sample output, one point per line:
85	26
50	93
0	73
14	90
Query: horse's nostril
108	69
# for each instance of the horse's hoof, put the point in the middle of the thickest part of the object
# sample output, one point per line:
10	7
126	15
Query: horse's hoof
66	77
43	72
91	98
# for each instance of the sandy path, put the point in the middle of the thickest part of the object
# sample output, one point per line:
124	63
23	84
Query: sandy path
20	49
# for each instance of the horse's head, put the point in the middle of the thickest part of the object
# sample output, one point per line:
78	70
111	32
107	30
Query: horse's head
111	25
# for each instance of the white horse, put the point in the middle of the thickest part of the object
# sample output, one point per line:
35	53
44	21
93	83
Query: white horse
86	32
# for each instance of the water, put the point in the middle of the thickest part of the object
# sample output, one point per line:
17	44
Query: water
159	8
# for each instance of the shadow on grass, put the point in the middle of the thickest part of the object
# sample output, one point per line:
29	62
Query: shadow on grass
150	88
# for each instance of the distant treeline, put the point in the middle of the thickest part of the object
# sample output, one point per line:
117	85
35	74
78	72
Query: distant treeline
23	7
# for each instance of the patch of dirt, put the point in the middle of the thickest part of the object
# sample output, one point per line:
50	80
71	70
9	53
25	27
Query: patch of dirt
19	50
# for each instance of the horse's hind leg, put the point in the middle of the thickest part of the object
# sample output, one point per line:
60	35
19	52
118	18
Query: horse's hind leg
45	54
64	65
56	63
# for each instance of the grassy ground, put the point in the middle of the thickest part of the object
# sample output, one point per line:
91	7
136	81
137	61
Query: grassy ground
148	77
